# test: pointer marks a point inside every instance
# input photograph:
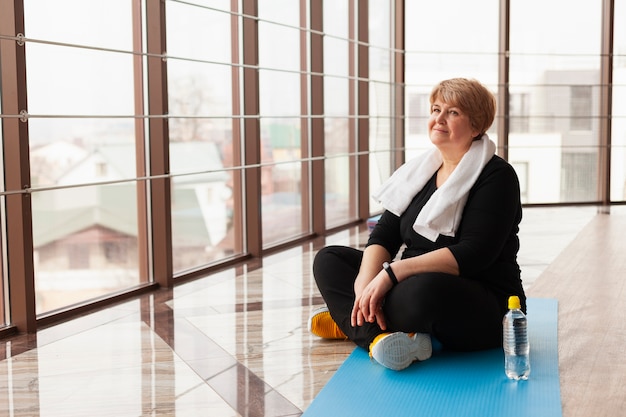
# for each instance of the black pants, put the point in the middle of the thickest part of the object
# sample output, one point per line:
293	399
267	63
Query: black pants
461	313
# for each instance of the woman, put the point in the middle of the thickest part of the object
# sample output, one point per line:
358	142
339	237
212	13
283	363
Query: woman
457	209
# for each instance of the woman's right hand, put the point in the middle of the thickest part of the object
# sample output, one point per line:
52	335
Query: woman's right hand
368	301
359	285
371	267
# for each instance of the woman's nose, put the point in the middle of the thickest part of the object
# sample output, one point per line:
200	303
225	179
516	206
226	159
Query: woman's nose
440	117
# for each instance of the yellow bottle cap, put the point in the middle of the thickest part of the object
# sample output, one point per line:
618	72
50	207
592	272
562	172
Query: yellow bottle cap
514	302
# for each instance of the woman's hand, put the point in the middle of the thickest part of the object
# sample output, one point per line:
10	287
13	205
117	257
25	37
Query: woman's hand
373	283
368	304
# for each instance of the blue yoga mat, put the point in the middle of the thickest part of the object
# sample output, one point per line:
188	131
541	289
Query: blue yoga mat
450	383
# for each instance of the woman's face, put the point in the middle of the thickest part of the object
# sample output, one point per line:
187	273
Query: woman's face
449	126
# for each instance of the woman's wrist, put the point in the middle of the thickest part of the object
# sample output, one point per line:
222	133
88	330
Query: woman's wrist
390	273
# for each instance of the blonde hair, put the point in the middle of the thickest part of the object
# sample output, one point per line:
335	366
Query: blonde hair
473	98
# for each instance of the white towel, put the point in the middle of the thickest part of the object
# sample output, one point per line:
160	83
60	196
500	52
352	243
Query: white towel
441	214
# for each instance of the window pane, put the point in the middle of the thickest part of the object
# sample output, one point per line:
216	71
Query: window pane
200	86
284	213
281	179
380	94
200	216
438	48
339	126
618	120
555	94
85	238
64	80
85	241
97	24
444	47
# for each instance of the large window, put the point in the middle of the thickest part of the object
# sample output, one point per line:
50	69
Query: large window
284	122
203	132
618	116
441	47
339	109
560	77
191	133
381	92
82	150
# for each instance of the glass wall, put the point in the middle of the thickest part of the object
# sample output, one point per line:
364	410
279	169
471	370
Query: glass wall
203	132
91	86
554	99
339	111
381	90
618	117
554	87
439	47
82	150
284	122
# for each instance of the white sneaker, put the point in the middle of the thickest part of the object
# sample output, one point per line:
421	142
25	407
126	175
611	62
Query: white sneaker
398	350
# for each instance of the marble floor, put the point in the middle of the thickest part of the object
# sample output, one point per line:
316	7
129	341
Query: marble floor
231	344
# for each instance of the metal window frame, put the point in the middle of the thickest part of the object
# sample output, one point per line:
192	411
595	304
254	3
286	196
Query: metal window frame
19	265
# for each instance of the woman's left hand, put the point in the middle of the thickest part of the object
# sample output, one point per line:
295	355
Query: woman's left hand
368	306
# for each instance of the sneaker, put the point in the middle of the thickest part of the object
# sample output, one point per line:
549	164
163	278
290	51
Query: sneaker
398	350
322	324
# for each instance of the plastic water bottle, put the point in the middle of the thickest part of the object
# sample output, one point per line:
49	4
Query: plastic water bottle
515	341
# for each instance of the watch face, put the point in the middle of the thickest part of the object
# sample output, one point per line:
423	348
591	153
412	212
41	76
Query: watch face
389	271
